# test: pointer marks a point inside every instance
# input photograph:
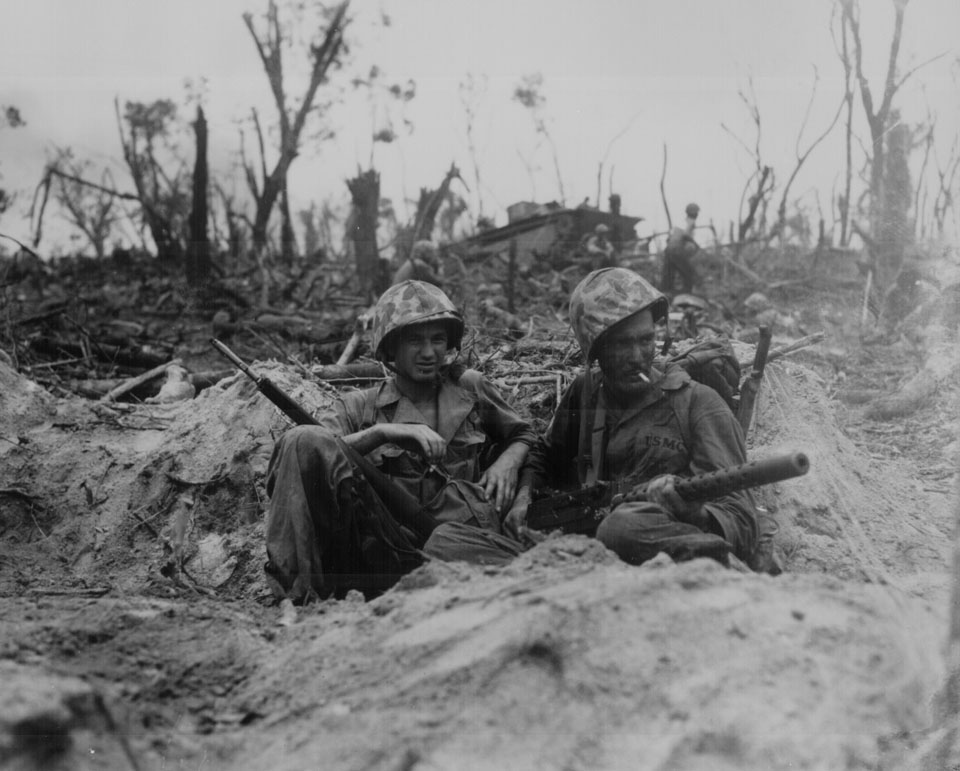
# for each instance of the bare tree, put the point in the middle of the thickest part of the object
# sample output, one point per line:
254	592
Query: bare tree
529	93
802	155
843	202
947	173
762	176
91	210
472	91
325	55
606	155
162	193
887	226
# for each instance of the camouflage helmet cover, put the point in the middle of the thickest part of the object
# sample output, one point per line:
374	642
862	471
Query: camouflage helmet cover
606	297
412	302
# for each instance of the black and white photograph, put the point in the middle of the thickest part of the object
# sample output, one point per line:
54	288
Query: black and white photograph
445	385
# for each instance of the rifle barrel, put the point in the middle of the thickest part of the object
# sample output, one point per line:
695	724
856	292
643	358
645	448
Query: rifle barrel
268	388
236	360
752	474
763	350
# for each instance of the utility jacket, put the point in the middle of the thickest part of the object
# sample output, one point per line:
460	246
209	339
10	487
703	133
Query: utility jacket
678	427
474	421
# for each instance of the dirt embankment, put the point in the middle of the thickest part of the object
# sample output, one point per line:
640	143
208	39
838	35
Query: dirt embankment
134	626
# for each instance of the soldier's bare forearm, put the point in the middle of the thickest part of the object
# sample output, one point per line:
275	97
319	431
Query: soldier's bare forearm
514	454
366	440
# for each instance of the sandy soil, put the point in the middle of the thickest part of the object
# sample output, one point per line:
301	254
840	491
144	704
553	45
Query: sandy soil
136	631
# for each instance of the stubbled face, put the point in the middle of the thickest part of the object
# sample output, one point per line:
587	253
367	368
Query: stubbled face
421	350
626	355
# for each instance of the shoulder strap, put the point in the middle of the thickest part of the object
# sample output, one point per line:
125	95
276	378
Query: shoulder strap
370	407
592	431
598	438
679	399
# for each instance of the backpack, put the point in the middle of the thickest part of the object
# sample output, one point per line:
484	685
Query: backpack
713	363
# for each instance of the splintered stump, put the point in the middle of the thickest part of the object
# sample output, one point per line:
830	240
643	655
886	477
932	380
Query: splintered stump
365	195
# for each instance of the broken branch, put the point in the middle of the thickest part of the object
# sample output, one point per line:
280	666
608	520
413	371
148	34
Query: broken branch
129	385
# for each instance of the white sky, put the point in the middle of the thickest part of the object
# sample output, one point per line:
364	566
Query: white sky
666	71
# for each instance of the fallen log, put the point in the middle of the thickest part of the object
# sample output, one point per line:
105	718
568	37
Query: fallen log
133	356
796	345
786	350
131	383
95	388
299	328
357	370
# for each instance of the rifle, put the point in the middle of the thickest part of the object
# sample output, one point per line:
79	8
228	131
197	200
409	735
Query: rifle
268	388
750	388
404	506
580	511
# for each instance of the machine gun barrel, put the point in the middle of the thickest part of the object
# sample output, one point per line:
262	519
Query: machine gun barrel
580	511
755	473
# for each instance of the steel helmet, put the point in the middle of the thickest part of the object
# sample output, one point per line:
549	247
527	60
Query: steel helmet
606	297
602	228
412	302
693	210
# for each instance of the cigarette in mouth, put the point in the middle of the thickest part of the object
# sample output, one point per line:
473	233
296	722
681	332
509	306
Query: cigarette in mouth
643	377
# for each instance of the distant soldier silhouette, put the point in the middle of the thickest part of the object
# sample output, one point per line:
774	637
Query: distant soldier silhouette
678	255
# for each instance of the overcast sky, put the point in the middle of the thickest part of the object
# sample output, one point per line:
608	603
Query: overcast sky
621	78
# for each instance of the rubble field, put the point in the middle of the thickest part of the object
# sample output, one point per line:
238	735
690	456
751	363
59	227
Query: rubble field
137	632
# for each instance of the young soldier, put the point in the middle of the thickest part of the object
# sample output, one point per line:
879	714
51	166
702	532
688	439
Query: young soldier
422	431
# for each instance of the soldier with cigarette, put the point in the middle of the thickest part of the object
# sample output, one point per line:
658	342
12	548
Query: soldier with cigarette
632	424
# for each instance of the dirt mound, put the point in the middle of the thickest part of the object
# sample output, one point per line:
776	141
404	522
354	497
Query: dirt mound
132	547
104	495
566	661
850	516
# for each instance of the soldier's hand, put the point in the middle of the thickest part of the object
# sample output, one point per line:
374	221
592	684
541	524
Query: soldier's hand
662	491
516	518
499	483
418	437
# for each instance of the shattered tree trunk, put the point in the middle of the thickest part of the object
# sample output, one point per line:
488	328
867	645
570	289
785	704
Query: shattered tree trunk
365	194
288	240
198	250
425	220
429	205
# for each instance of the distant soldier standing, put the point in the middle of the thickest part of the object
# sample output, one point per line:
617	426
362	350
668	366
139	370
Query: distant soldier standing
678	255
